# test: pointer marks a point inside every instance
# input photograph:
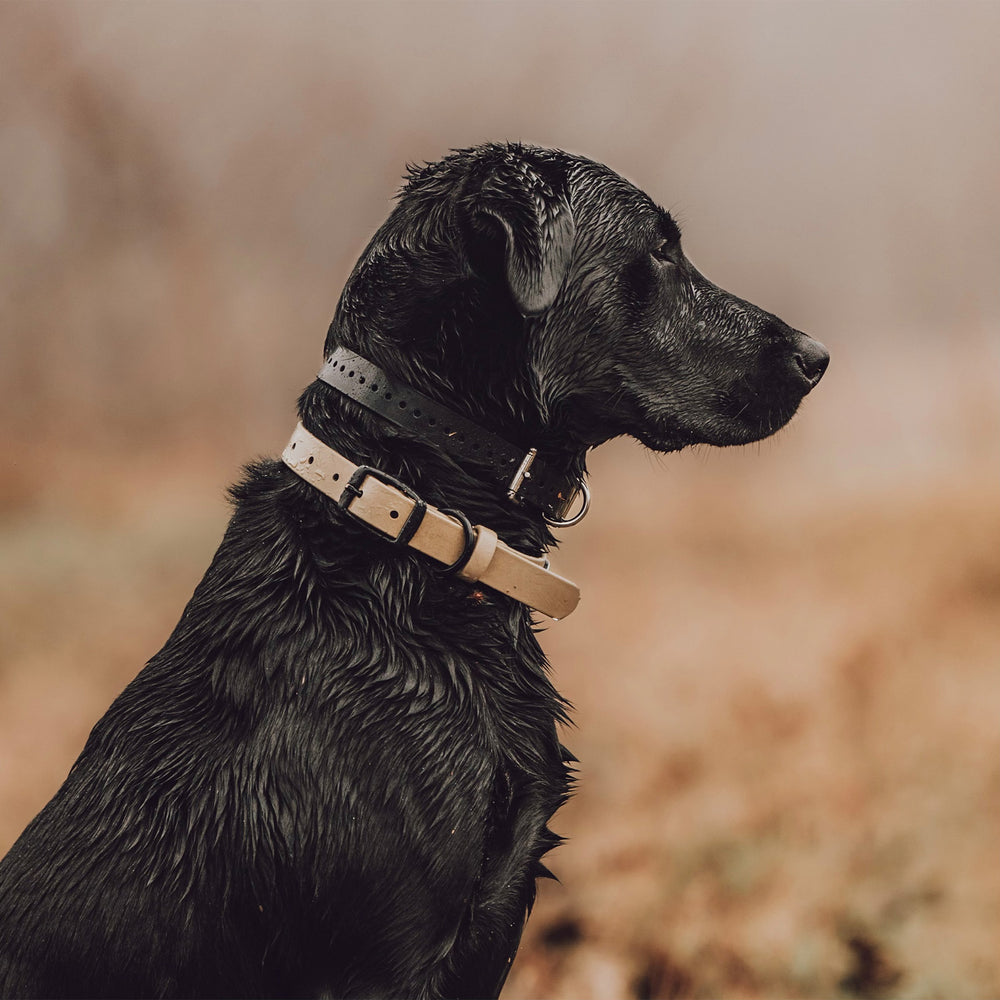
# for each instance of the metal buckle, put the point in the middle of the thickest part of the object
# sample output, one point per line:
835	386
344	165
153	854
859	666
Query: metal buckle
353	490
523	472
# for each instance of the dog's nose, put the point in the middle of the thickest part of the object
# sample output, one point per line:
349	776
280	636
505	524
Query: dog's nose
812	358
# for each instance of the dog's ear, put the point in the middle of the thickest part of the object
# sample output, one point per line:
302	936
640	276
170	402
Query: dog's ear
537	223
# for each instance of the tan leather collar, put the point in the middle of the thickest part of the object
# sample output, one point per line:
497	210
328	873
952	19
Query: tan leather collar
397	513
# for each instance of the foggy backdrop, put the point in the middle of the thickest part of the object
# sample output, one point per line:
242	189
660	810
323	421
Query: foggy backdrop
785	665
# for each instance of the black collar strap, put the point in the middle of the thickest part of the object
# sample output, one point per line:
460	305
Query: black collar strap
524	477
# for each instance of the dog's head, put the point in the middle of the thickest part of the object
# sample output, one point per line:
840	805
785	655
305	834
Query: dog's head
550	299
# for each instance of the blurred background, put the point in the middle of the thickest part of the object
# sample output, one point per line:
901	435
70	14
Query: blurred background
786	666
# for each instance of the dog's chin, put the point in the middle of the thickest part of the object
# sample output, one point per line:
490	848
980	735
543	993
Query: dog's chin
718	429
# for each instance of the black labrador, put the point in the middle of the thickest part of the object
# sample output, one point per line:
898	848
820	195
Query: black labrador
335	777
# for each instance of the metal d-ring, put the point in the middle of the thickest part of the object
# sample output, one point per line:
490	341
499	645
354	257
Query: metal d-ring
555	522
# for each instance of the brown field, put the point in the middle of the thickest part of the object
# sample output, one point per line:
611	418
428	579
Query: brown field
786	707
786	665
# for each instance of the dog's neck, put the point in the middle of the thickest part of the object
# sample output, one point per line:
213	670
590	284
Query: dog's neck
445	476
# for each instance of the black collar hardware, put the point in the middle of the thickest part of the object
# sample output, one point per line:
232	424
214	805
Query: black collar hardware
523	476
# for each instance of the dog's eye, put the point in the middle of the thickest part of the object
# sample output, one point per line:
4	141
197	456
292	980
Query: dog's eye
664	252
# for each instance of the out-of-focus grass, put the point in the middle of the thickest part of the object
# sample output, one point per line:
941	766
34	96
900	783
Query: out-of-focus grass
91	583
788	725
786	713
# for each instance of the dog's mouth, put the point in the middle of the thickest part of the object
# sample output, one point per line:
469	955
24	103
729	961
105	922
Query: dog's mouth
716	430
757	406
752	407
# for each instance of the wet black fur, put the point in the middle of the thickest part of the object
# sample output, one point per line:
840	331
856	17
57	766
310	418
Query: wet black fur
335	777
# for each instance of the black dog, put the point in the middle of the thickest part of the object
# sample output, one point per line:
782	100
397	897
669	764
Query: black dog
335	777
